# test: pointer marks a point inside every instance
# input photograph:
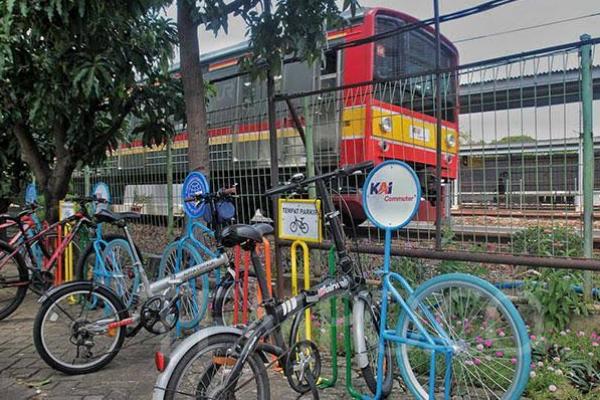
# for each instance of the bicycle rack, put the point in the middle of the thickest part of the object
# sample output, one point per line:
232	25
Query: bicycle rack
265	250
306	262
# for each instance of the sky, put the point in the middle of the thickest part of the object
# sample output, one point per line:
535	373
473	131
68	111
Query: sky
519	14
556	122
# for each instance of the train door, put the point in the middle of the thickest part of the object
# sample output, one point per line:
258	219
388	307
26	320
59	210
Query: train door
326	111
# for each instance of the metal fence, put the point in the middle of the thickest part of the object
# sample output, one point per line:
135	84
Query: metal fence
515	174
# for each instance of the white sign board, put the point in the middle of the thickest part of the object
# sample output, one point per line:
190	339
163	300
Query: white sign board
391	194
300	220
67	209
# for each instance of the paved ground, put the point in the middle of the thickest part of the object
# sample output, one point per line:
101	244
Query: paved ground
131	375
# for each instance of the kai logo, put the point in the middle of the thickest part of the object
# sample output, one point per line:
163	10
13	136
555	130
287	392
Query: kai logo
381	188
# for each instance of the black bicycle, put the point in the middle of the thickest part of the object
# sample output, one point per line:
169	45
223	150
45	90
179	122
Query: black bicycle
227	363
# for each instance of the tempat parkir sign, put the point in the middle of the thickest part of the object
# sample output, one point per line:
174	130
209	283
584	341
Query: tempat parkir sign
391	194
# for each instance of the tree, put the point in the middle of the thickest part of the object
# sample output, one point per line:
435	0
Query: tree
514	139
75	75
295	28
13	171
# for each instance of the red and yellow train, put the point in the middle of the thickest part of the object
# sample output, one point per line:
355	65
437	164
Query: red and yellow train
391	116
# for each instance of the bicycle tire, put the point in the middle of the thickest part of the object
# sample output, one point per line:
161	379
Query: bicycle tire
124	278
224	296
102	295
23	273
369	372
196	308
514	321
86	258
219	341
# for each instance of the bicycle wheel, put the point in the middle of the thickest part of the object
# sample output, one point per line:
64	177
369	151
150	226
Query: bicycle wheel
202	370
120	274
491	347
71	331
84	269
370	335
224	305
14	280
194	293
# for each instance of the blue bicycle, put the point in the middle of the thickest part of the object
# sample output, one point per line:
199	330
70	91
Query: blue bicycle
189	250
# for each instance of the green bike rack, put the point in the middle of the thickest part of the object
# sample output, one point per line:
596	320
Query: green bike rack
325	382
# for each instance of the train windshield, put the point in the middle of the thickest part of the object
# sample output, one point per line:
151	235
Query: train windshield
411	53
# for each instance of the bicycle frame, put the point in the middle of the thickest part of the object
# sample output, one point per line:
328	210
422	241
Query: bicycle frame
51	259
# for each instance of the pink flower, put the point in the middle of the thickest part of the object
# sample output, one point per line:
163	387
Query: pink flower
488	343
476	361
513	361
533	337
478	339
595	344
499	354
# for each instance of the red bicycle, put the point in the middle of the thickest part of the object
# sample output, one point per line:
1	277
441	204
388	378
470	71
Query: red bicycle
31	255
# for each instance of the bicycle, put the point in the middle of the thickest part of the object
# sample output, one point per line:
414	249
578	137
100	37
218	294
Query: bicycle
189	250
94	318
300	361
452	329
32	254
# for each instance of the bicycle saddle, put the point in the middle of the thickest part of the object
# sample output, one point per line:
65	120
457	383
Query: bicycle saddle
109	216
241	233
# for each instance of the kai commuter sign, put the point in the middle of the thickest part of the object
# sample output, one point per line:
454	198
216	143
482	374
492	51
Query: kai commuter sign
300	220
391	194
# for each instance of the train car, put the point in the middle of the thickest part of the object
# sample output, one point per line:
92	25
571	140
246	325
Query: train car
392	117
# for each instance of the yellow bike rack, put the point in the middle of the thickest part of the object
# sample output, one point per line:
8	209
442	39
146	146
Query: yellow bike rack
306	259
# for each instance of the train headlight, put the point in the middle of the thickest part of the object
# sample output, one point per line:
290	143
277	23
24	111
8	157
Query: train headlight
451	140
386	124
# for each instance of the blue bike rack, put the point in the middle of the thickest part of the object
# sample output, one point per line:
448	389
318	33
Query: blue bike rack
391	196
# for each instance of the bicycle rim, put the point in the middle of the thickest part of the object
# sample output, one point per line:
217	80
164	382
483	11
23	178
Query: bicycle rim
79	349
491	351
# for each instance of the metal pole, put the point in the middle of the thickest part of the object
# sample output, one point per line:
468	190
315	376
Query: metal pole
274	160
310	152
170	218
87	186
438	133
588	162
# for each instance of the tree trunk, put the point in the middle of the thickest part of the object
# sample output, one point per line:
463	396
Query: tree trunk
193	88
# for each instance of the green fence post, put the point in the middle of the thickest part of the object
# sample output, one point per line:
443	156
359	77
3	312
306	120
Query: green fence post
588	160
170	219
310	150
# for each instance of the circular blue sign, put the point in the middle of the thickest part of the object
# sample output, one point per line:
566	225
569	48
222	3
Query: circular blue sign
194	183
30	194
391	195
101	191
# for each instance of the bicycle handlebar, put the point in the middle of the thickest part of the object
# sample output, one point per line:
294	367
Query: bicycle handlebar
221	193
344	171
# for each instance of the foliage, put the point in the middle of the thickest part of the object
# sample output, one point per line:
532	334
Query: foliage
75	74
294	28
514	139
565	365
544	292
540	241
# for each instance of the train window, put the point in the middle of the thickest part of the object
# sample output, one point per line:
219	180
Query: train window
411	53
298	77
329	63
248	90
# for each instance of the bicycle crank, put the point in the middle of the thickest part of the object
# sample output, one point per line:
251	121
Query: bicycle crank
159	316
